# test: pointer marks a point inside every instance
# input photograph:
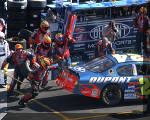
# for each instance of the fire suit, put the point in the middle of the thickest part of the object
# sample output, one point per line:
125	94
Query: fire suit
45	52
4	52
148	42
18	60
36	78
62	51
36	38
141	23
104	46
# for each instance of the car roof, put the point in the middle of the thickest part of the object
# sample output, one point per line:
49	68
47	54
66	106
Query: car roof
120	58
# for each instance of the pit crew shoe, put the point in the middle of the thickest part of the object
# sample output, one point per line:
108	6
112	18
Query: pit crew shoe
2	86
21	103
10	93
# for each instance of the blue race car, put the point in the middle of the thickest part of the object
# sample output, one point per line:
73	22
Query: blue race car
111	78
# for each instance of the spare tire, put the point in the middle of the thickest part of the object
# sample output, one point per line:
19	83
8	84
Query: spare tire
25	34
14	40
17	15
34	15
25	69
37	4
16	4
16	25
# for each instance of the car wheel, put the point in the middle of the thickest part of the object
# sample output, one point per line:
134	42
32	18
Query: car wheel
112	95
16	4
37	4
25	34
14	40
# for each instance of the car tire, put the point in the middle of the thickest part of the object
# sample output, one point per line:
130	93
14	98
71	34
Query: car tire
17	15
16	25
37	4
12	43
12	33
112	95
32	25
25	69
34	15
15	4
25	34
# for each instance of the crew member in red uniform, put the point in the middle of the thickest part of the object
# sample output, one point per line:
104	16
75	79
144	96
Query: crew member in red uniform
105	45
141	23
102	48
38	35
62	48
148	42
44	49
18	58
36	78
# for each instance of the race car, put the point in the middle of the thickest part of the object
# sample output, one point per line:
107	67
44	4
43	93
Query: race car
111	78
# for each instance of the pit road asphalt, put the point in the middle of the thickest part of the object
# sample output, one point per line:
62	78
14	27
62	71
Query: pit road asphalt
54	103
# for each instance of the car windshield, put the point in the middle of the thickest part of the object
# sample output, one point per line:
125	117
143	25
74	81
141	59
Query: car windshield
99	65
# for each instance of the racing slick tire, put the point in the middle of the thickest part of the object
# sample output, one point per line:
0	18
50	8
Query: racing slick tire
16	25
37	4
112	95
25	69
14	40
15	4
20	15
25	34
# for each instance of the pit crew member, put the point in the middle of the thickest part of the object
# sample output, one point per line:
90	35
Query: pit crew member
62	48
44	49
38	34
18	58
36	78
109	35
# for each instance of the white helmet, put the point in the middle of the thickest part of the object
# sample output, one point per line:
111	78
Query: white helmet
2	35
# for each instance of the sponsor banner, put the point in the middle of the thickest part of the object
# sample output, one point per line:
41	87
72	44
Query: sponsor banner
89	33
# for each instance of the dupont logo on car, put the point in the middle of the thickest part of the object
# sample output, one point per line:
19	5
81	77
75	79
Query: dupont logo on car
109	79
96	33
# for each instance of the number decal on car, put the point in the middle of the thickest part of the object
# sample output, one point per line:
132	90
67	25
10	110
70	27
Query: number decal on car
80	69
145	88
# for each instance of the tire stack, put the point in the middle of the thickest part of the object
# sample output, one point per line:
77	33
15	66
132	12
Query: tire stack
3	9
35	8
16	16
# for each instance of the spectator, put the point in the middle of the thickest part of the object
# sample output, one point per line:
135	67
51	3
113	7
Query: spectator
141	23
4	53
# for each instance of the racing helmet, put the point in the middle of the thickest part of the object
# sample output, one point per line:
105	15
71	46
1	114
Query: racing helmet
143	10
44	26
45	62
18	46
46	41
59	38
2	21
2	35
